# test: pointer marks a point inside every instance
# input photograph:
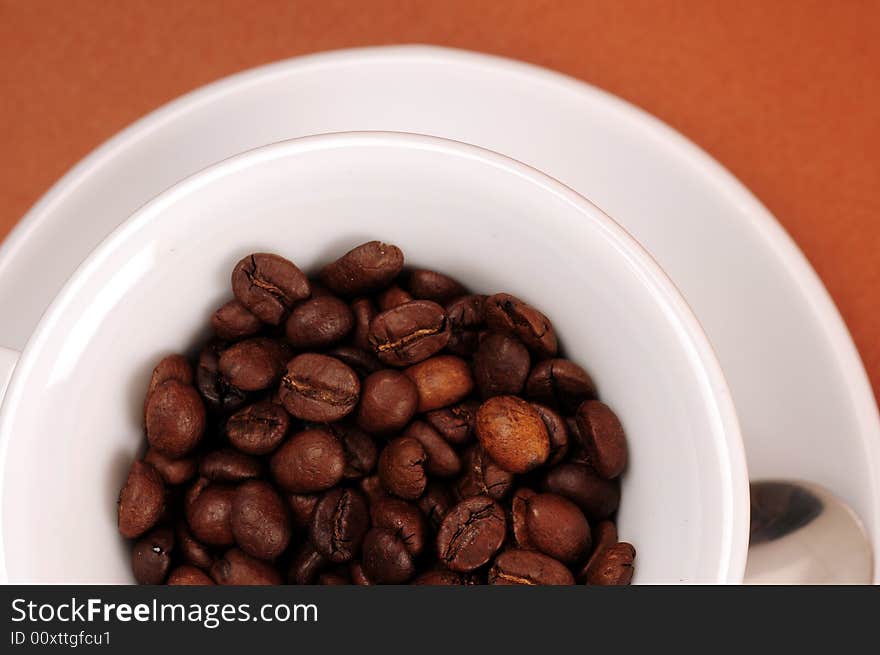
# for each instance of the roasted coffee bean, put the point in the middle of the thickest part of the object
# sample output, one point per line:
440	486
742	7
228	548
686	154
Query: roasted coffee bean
373	489
597	497
228	465
403	519
233	321
151	556
238	568
368	267
481	476
268	286
362	362
506	313
604	535
173	471
319	388
560	383
188	575
358	577
603	438
386	559
409	333
471	533
441	381
218	393
306	565
173	367
557	527
402	468
455	423
253	364
363	311
431	285
361	454
141	501
388	401
512	433
259	520
557	431
501	365
467	319
319	322
440	577
434	503
392	297
302	507
613	566
333	579
258	429
191	550
519	508
442	460
526	567
309	462
175	418
208	507
340	521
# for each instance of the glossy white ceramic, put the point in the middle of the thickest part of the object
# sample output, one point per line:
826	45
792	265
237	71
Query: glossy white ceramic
71	420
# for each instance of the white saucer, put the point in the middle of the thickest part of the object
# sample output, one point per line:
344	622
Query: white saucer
803	399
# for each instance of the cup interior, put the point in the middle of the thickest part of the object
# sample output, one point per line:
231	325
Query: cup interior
72	419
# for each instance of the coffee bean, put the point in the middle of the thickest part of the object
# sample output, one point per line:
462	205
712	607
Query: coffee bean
441	577
268	286
603	438
402	468
388	401
441	381
340	521
560	383
173	367
434	503
506	313
228	465
187	575
386	559
191	550
319	322
363	311
217	391
481	476
403	519
597	497
361	453
442	460
173	471
431	285
519	508
319	388
253	364
512	433
208	507
302	507
501	365
557	431
239	568
467	318
259	520
362	362
141	501
557	527
409	333
604	535
471	533
372	488
175	418
368	267
306	565
308	462
358	577
613	566
151	556
526	567
233	321
455	423
258	429
333	579
393	296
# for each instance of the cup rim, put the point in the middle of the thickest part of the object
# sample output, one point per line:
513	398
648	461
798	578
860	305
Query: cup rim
729	445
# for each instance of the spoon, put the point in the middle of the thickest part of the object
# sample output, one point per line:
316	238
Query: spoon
802	534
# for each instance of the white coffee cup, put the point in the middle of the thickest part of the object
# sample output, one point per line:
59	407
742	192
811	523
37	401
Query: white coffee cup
71	421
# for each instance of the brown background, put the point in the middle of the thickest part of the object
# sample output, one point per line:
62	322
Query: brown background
786	94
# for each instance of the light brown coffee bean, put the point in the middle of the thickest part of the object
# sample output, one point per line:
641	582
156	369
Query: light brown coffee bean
441	381
512	433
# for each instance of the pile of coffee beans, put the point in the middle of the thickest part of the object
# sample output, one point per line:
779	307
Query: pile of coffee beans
377	425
